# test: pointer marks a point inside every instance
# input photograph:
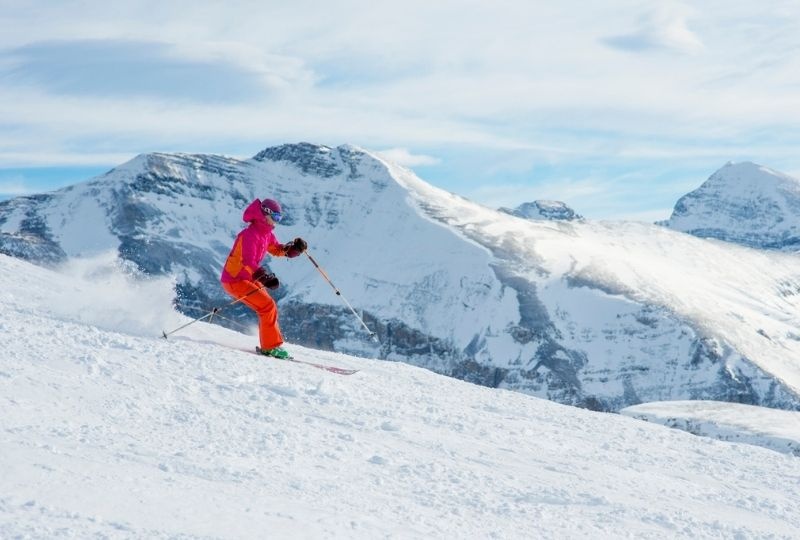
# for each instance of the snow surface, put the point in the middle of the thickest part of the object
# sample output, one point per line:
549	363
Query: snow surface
108	430
770	428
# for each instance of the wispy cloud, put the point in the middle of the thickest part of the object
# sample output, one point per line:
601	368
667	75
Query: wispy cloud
122	69
665	27
44	156
403	157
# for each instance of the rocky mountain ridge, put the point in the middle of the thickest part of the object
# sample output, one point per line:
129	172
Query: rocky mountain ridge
543	209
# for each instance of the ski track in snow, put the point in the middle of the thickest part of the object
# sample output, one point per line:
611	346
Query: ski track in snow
108	430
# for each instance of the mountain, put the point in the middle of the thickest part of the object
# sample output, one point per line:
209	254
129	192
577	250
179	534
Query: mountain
109	431
542	209
743	203
600	315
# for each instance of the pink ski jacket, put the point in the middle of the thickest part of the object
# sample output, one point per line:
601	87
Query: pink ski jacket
251	246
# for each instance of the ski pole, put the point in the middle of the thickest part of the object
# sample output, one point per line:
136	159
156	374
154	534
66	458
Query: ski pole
212	312
340	295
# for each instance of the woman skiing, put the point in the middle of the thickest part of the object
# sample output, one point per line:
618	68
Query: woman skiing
244	278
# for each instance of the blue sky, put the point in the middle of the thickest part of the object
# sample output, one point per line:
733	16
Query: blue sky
617	108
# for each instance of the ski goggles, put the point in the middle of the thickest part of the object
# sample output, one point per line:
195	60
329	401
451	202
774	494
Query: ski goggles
276	216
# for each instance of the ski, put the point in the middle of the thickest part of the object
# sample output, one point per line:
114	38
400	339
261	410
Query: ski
326	367
332	369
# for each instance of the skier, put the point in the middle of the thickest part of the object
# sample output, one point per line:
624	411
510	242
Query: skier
244	277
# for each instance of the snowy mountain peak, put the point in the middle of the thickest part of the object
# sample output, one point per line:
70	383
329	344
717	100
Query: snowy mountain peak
309	158
294	152
747	173
744	203
543	209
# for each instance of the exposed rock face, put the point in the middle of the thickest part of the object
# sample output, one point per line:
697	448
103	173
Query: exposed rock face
31	239
444	283
542	209
743	203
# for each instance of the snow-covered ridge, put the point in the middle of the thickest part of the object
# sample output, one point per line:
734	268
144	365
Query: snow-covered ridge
600	315
744	203
109	430
770	428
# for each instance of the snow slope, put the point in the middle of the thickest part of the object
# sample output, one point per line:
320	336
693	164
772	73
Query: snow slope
777	430
108	430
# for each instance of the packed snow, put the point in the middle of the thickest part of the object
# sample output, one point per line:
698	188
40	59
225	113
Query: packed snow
109	430
770	428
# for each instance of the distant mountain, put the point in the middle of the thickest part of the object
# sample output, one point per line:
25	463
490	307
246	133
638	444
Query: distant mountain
599	315
744	203
542	209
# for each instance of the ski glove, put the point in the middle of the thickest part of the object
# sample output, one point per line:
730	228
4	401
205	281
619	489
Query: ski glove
295	247
268	280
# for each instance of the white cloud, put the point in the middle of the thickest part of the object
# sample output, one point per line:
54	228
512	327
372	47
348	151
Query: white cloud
666	26
402	156
672	30
126	68
548	70
44	156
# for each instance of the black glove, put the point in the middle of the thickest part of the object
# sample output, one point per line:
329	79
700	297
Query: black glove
268	280
300	244
295	247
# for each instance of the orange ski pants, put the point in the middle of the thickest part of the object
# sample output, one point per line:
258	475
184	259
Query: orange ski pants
262	303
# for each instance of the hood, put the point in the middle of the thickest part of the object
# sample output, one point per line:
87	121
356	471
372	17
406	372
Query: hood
253	212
